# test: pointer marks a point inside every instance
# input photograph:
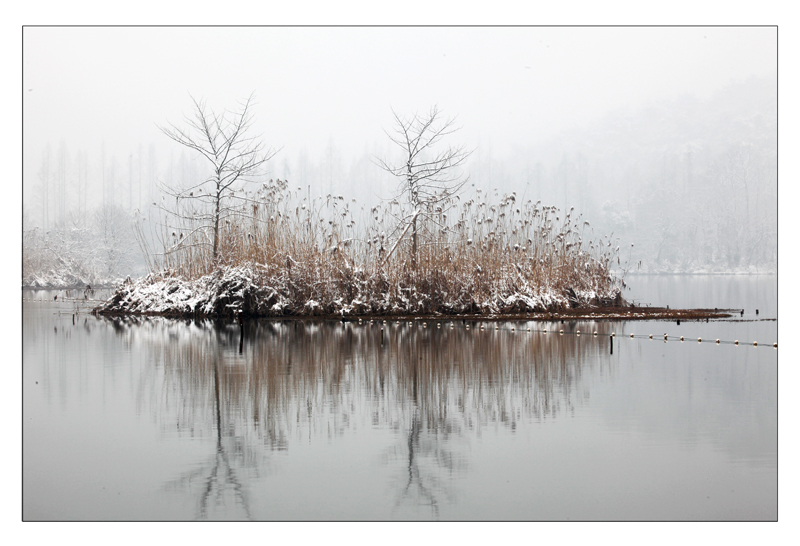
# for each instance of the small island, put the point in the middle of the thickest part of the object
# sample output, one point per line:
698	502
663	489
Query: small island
235	245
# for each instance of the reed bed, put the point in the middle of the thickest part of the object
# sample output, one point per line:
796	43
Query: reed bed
284	253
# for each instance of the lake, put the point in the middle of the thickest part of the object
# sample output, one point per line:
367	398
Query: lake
156	419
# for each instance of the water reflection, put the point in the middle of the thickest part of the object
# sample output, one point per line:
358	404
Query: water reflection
218	477
163	419
258	386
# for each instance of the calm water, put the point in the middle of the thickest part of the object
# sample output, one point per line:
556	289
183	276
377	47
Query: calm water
311	420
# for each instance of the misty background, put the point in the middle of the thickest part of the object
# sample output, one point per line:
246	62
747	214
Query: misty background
666	137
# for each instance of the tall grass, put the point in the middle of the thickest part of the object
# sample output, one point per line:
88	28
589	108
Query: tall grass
480	253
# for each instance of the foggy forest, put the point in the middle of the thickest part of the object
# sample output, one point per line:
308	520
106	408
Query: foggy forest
685	185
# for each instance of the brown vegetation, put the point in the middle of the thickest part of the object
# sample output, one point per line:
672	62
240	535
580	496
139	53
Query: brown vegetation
280	254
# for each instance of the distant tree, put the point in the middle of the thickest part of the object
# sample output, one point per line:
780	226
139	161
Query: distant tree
234	154
44	179
112	242
429	175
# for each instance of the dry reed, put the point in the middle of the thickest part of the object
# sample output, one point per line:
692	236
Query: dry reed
283	254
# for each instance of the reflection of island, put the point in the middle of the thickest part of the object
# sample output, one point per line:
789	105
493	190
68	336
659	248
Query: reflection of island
434	386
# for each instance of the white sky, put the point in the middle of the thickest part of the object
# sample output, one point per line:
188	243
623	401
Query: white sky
508	86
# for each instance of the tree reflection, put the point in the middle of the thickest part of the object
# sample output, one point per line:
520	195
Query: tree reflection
216	479
436	387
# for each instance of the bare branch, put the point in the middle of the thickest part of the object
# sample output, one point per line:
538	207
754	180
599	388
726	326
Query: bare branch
224	141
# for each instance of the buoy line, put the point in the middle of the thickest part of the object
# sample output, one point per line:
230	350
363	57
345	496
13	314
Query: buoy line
577	333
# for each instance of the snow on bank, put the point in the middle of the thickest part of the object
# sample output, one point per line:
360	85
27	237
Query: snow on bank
66	280
257	291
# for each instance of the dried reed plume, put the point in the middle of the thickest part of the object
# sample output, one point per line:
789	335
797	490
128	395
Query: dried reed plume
282	253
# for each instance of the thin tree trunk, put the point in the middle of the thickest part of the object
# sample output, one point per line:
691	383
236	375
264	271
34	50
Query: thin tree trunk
216	231
414	242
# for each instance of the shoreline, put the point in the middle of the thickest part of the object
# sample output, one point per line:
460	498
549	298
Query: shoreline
603	313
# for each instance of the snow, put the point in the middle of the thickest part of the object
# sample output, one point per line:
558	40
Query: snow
257	291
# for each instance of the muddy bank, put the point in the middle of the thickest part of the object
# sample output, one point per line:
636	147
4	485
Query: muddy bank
601	313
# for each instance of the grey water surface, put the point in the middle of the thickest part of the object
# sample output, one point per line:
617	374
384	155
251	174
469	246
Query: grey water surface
156	419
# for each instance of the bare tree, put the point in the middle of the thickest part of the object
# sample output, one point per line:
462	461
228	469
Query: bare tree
429	176
235	155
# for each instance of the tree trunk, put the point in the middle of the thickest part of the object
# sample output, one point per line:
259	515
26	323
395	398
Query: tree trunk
216	231
414	242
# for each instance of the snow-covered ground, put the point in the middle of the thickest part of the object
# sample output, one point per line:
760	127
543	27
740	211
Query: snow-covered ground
257	291
63	280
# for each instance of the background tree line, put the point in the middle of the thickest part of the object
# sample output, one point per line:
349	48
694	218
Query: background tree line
692	183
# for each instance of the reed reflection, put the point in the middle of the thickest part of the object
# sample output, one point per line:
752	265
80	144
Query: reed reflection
434	386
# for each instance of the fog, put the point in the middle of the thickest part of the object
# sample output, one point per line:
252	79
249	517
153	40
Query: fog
665	136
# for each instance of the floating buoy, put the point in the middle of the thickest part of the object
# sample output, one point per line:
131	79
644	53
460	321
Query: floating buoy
736	342
481	326
595	333
775	345
681	338
579	332
451	326
613	334
631	336
496	327
529	329
755	344
561	332
424	324
699	339
512	328
717	342
651	336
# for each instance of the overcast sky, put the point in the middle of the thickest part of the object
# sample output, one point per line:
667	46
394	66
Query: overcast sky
508	86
